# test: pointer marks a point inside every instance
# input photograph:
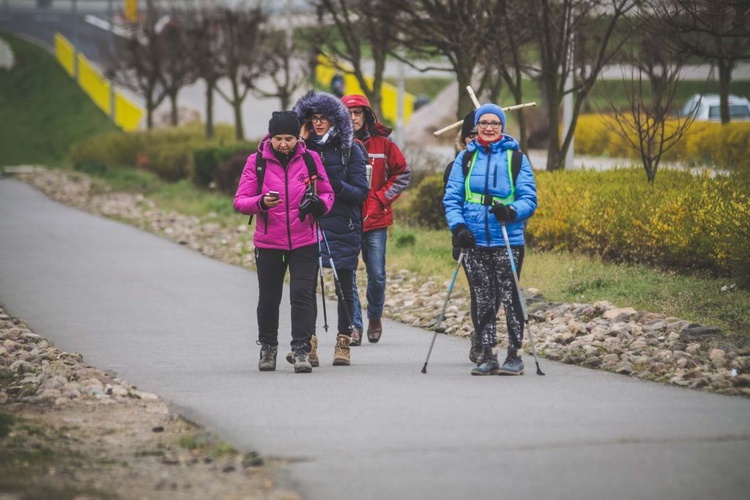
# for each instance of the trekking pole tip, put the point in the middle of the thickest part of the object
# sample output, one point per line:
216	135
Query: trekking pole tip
424	368
539	370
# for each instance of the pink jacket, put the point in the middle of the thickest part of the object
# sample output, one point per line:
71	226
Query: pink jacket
280	227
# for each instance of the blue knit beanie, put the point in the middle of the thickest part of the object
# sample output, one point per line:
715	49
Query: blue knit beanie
490	108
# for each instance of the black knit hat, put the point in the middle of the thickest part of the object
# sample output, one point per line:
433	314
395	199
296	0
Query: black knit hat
468	127
284	122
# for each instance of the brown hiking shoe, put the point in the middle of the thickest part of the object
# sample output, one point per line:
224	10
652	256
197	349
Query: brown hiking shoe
341	353
374	330
356	337
314	351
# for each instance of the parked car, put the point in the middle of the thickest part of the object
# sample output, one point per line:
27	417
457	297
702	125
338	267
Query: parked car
706	107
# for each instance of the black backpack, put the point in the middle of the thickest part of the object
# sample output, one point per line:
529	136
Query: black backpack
260	170
515	166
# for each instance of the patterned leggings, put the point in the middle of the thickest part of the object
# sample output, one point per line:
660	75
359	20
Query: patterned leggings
491	283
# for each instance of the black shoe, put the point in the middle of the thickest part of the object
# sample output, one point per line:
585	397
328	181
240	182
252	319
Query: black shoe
267	361
489	365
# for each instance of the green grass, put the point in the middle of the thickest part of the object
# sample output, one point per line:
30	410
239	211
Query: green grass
42	112
568	277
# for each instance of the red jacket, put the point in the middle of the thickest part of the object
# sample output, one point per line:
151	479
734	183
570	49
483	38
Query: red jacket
389	177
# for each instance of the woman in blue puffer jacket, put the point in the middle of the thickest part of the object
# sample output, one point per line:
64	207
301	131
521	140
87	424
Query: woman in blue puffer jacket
327	128
476	207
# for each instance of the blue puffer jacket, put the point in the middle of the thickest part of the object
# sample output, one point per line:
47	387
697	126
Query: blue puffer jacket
343	223
490	175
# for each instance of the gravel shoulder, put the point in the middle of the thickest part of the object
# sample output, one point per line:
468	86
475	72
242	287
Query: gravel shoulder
69	430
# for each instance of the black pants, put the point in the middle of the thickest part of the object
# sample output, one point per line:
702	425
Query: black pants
303	269
491	282
345	308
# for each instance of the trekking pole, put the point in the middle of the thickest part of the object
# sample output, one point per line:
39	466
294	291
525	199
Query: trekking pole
322	285
442	313
336	281
520	297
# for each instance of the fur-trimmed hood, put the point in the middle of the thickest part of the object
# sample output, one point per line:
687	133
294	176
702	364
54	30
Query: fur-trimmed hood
332	108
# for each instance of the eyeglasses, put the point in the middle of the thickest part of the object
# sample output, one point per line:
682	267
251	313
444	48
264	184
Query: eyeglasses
356	112
319	119
489	124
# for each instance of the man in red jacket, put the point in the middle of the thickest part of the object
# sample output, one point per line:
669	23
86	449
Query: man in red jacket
388	175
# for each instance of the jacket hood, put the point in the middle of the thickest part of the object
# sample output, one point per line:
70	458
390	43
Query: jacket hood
374	127
331	106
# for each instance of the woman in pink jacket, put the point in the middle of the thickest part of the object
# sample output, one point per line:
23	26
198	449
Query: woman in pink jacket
286	202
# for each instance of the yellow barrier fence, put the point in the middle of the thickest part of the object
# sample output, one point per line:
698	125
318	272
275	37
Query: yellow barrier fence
326	69
127	114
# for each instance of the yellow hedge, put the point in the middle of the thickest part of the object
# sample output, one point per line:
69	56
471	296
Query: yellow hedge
680	221
705	143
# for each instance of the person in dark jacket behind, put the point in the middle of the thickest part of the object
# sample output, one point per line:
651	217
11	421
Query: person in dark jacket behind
282	238
389	175
478	206
327	129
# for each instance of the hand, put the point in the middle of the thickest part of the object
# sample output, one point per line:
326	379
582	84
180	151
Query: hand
463	237
268	201
503	212
311	204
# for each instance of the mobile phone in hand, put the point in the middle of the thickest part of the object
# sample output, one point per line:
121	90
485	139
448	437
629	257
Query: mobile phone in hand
273	194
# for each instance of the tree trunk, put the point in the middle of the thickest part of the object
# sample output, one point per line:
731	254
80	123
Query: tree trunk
725	78
209	110
175	114
239	129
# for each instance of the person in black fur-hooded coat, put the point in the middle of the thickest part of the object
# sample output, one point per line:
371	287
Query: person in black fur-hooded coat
327	129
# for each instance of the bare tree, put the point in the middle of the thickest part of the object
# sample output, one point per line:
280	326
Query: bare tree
204	43
137	65
363	29
282	63
718	30
239	57
456	30
177	68
591	26
651	89
505	61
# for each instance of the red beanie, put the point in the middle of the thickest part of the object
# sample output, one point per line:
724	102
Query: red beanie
356	101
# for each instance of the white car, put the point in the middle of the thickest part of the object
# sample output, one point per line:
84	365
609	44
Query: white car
706	107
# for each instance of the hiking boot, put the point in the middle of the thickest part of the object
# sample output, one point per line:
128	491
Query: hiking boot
267	361
301	361
374	330
341	354
513	365
356	337
489	365
313	353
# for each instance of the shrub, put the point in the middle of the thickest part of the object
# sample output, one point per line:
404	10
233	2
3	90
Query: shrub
705	143
229	171
425	204
208	160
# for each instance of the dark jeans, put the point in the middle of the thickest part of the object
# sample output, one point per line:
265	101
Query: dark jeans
490	277
303	269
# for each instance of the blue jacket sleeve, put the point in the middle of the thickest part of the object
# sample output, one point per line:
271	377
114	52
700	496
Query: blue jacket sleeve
453	200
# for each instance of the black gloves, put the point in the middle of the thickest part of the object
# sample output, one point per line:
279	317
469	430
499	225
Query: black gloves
463	237
311	204
503	212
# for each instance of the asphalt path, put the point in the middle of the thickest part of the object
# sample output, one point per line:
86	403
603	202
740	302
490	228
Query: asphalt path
182	325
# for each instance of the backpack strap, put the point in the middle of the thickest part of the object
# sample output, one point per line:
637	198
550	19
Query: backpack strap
260	172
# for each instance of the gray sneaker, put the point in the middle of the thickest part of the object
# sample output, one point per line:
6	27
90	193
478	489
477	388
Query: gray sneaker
302	362
267	361
313	356
512	366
